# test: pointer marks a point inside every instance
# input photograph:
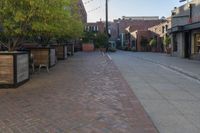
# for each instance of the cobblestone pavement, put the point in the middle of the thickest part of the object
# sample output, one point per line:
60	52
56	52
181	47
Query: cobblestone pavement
84	94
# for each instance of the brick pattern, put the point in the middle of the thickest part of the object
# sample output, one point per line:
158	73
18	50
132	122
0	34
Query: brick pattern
85	94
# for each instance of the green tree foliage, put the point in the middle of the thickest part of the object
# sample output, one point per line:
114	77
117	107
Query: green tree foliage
88	37
101	40
167	40
44	18
153	42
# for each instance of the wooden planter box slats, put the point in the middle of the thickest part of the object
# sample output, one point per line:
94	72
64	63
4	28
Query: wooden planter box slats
43	56
61	51
14	69
52	57
70	48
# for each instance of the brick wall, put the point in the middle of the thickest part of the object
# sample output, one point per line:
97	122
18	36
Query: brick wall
82	12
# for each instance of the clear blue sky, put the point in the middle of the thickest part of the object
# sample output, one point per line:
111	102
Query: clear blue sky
119	8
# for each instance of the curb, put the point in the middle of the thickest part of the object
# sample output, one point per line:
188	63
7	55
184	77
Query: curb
175	68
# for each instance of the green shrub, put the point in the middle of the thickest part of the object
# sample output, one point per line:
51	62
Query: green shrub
101	40
153	42
167	41
88	37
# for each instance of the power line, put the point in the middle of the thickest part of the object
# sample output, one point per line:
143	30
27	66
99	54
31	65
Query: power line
93	9
88	1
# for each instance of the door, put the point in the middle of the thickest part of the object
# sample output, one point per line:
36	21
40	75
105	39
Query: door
187	44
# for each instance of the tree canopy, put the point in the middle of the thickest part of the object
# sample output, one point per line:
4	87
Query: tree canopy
49	18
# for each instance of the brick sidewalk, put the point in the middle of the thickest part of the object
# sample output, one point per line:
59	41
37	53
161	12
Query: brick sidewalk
84	94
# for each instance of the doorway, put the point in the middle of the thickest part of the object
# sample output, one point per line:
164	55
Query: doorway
187	44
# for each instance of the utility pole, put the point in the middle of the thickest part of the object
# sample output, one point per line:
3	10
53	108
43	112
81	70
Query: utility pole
107	34
107	17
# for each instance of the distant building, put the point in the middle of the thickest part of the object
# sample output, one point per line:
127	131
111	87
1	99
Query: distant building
185	31
95	27
127	25
137	38
140	18
83	15
82	12
159	32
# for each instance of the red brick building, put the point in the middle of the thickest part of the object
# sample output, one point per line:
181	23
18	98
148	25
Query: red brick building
95	27
82	11
131	29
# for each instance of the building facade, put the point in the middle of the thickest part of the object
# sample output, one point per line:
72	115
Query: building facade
82	12
131	29
95	27
185	31
160	32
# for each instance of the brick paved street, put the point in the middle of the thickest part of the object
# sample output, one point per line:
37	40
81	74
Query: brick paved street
84	94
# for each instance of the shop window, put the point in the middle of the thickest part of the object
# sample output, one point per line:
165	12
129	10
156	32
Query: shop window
197	43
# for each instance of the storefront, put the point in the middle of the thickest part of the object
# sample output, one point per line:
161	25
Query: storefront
196	45
186	40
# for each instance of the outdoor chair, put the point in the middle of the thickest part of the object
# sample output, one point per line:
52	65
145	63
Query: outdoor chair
44	65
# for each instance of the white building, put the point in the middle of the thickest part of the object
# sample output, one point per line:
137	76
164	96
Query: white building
185	31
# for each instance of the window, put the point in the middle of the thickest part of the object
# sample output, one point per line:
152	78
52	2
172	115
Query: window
90	28
166	27
197	43
97	28
163	29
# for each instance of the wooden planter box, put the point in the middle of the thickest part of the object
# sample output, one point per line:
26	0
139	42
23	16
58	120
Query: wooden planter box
168	50
70	48
46	56
88	47
103	49
14	69
61	51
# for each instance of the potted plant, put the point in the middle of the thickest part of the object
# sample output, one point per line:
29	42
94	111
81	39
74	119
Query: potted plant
167	44
88	41
101	40
24	19
153	44
60	46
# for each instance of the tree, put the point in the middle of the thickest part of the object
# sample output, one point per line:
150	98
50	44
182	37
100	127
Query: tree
101	40
153	42
43	18
167	41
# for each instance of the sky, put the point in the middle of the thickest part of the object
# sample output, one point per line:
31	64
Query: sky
118	8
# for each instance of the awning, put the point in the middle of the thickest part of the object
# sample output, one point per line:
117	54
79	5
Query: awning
187	27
